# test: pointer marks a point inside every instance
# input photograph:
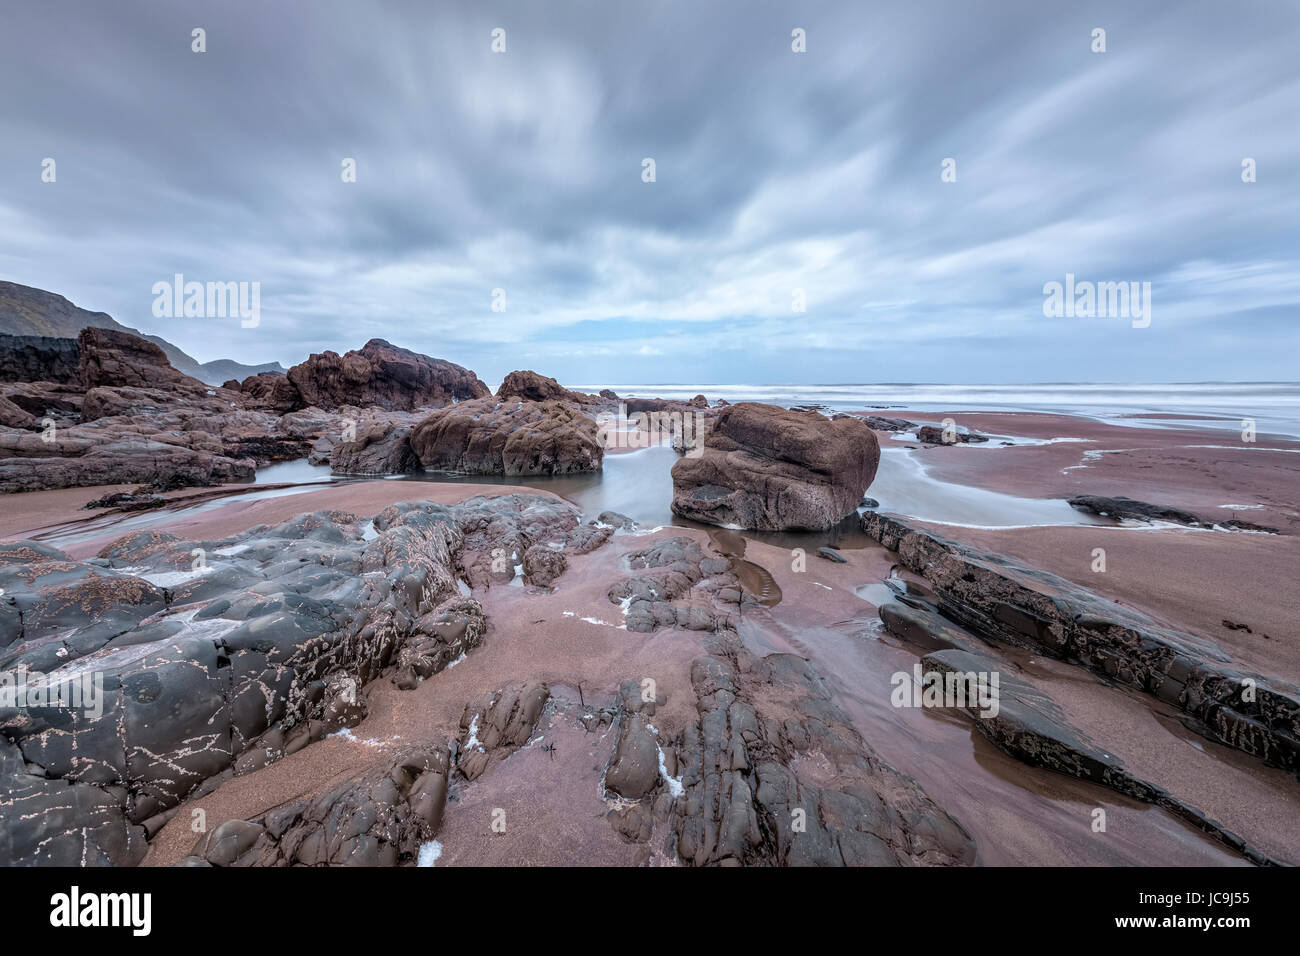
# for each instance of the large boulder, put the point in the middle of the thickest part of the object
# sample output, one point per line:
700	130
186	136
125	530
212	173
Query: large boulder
114	359
770	468
488	437
385	375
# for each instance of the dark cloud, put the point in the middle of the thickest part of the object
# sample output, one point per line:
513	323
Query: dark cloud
776	171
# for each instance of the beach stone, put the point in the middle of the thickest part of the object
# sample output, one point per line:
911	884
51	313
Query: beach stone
770	468
491	437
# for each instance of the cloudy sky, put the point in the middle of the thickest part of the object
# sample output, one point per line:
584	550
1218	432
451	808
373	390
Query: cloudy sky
775	171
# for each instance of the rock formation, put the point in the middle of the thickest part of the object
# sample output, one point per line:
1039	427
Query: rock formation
770	468
384	375
491	437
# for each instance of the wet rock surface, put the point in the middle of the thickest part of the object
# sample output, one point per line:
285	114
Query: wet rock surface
773	774
770	468
1127	509
997	599
219	657
380	818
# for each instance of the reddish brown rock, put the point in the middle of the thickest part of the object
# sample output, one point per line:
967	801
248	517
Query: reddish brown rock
271	391
771	468
488	437
113	358
385	375
532	387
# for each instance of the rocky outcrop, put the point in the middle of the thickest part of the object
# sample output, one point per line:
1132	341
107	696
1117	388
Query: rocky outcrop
38	358
1128	509
113	358
385	375
383	449
269	391
770	468
532	387
502	722
751	795
218	657
490	437
380	818
1000	600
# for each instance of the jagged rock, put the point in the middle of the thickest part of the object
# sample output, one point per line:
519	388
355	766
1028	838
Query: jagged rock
270	390
488	437
532	387
385	375
379	818
543	564
383	449
112	358
882	424
259	647
747	798
500	724
11	416
1001	600
770	468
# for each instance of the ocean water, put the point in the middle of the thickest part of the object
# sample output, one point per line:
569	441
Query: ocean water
1275	406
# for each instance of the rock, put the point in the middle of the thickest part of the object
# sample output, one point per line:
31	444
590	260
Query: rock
532	387
383	449
113	358
830	554
743	784
1127	509
138	500
487	437
931	435
616	520
39	358
382	374
11	416
1000	600
543	564
379	818
271	391
769	468
609	395
221	668
868	503
500	724
634	768
882	424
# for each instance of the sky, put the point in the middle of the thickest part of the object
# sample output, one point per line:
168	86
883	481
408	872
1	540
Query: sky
775	171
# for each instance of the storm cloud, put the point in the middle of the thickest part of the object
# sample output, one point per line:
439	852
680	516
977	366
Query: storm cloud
776	171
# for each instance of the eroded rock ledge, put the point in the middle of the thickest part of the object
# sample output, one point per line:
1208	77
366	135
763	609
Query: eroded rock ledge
1000	600
217	657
